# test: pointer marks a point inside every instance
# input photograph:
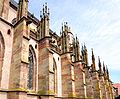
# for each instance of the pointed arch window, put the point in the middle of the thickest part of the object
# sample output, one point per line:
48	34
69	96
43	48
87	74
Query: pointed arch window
2	49
55	76
31	69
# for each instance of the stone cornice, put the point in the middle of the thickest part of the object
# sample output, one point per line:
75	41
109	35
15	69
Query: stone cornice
23	18
6	22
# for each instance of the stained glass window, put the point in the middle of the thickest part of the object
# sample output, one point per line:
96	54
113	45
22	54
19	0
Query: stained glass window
30	70
55	76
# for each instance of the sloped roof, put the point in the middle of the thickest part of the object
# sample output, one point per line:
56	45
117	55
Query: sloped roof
14	4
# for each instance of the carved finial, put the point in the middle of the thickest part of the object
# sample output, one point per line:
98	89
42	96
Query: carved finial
76	37
107	71
48	11
41	14
84	46
77	41
60	32
46	8
62	27
104	70
43	10
93	57
22	9
82	51
99	64
69	29
104	67
66	23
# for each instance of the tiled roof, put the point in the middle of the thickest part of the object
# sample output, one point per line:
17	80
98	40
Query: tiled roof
117	85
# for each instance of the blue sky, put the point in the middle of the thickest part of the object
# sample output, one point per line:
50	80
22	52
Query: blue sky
96	23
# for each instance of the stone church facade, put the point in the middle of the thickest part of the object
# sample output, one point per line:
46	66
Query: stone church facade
36	63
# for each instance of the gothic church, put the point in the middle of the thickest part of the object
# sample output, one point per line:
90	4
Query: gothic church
36	63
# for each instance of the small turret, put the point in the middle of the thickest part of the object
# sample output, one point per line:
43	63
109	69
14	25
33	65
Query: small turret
77	55
66	38
43	26
22	9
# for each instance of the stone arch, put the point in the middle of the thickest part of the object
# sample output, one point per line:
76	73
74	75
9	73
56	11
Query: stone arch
55	76
32	69
2	51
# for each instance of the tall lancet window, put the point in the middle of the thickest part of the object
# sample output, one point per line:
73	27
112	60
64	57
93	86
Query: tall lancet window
2	49
30	70
55	76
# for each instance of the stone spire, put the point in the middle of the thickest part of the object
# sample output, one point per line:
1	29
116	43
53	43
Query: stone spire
74	49
77	55
107	72
63	41
93	62
104	70
22	9
84	54
43	27
65	38
100	66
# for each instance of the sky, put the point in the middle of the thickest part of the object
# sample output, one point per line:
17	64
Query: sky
95	22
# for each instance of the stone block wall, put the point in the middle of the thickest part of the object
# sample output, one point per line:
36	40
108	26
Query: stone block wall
89	86
79	81
102	87
96	85
8	41
67	81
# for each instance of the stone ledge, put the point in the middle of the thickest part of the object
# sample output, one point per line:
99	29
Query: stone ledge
33	94
13	90
6	22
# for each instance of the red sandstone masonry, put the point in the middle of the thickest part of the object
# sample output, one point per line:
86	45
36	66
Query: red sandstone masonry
19	67
67	88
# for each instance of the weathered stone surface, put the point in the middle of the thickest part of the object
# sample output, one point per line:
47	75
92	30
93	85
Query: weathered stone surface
58	73
79	80
89	86
4	8
96	86
67	81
